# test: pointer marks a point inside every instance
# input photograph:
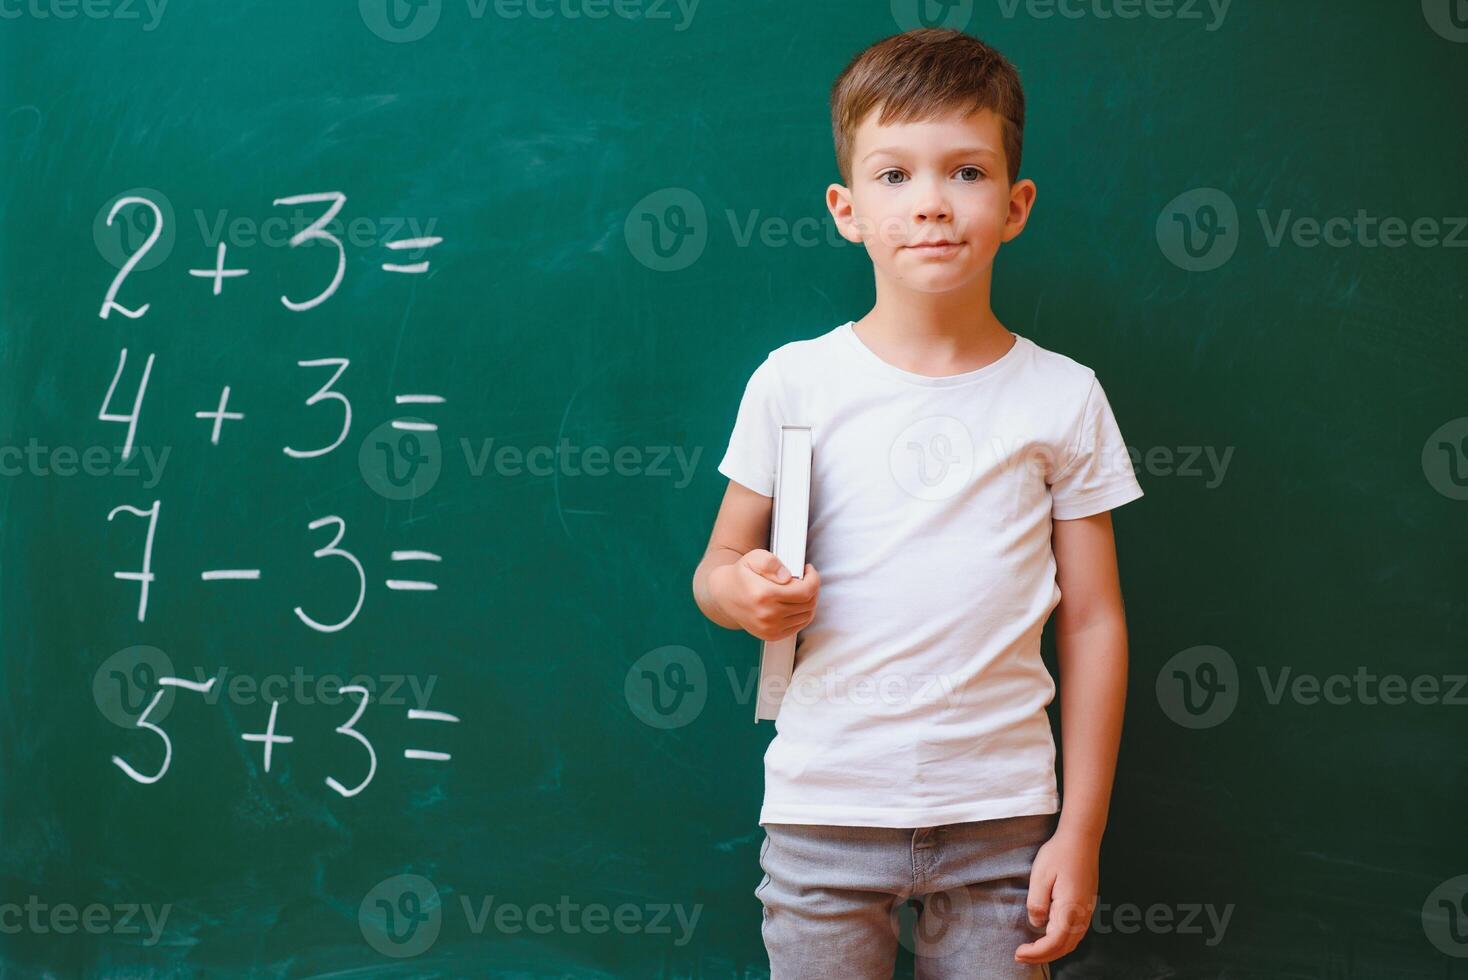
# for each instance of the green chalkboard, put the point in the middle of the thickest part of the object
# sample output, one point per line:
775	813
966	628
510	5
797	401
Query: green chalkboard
605	216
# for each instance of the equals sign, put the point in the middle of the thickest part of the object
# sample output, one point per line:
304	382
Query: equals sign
413	585
410	245
411	426
420	714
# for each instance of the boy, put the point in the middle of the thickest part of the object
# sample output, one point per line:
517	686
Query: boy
962	478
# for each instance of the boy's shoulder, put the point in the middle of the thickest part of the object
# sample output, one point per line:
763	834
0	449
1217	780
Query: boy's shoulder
1057	367
809	354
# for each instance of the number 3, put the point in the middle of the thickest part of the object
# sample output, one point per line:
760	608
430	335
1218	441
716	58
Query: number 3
315	232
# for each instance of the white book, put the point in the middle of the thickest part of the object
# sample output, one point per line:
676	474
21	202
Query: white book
789	521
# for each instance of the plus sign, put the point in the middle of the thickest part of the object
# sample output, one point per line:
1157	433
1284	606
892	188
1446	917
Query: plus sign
268	736
219	273
219	415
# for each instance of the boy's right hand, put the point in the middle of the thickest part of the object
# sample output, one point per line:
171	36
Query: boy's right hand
760	593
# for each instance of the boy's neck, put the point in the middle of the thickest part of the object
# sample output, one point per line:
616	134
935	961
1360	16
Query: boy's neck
936	334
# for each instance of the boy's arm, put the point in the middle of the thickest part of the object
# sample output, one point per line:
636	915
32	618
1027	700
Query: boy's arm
1091	646
1091	643
742	526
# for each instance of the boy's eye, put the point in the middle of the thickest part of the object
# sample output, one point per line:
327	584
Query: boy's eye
889	173
977	173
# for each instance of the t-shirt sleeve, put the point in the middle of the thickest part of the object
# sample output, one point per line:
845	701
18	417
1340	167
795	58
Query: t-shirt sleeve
1096	474
754	443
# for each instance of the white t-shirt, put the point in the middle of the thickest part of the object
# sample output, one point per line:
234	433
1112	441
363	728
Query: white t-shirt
919	693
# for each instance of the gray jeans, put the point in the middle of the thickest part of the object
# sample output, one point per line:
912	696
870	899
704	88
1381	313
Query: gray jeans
836	899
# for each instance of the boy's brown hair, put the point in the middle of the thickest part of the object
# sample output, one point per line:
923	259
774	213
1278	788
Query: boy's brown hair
921	74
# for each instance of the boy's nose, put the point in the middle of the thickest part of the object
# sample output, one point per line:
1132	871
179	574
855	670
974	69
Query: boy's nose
931	206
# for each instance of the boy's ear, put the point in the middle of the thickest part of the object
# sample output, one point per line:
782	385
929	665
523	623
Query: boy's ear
838	202
1021	203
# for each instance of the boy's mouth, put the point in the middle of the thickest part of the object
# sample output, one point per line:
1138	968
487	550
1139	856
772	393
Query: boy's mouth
935	248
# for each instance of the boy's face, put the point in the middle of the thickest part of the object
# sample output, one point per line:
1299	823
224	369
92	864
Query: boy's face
944	180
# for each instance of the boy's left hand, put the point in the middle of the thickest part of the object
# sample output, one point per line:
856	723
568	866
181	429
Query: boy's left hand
1063	883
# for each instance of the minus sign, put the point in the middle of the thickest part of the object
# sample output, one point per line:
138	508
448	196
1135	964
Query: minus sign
231	573
408	585
425	754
